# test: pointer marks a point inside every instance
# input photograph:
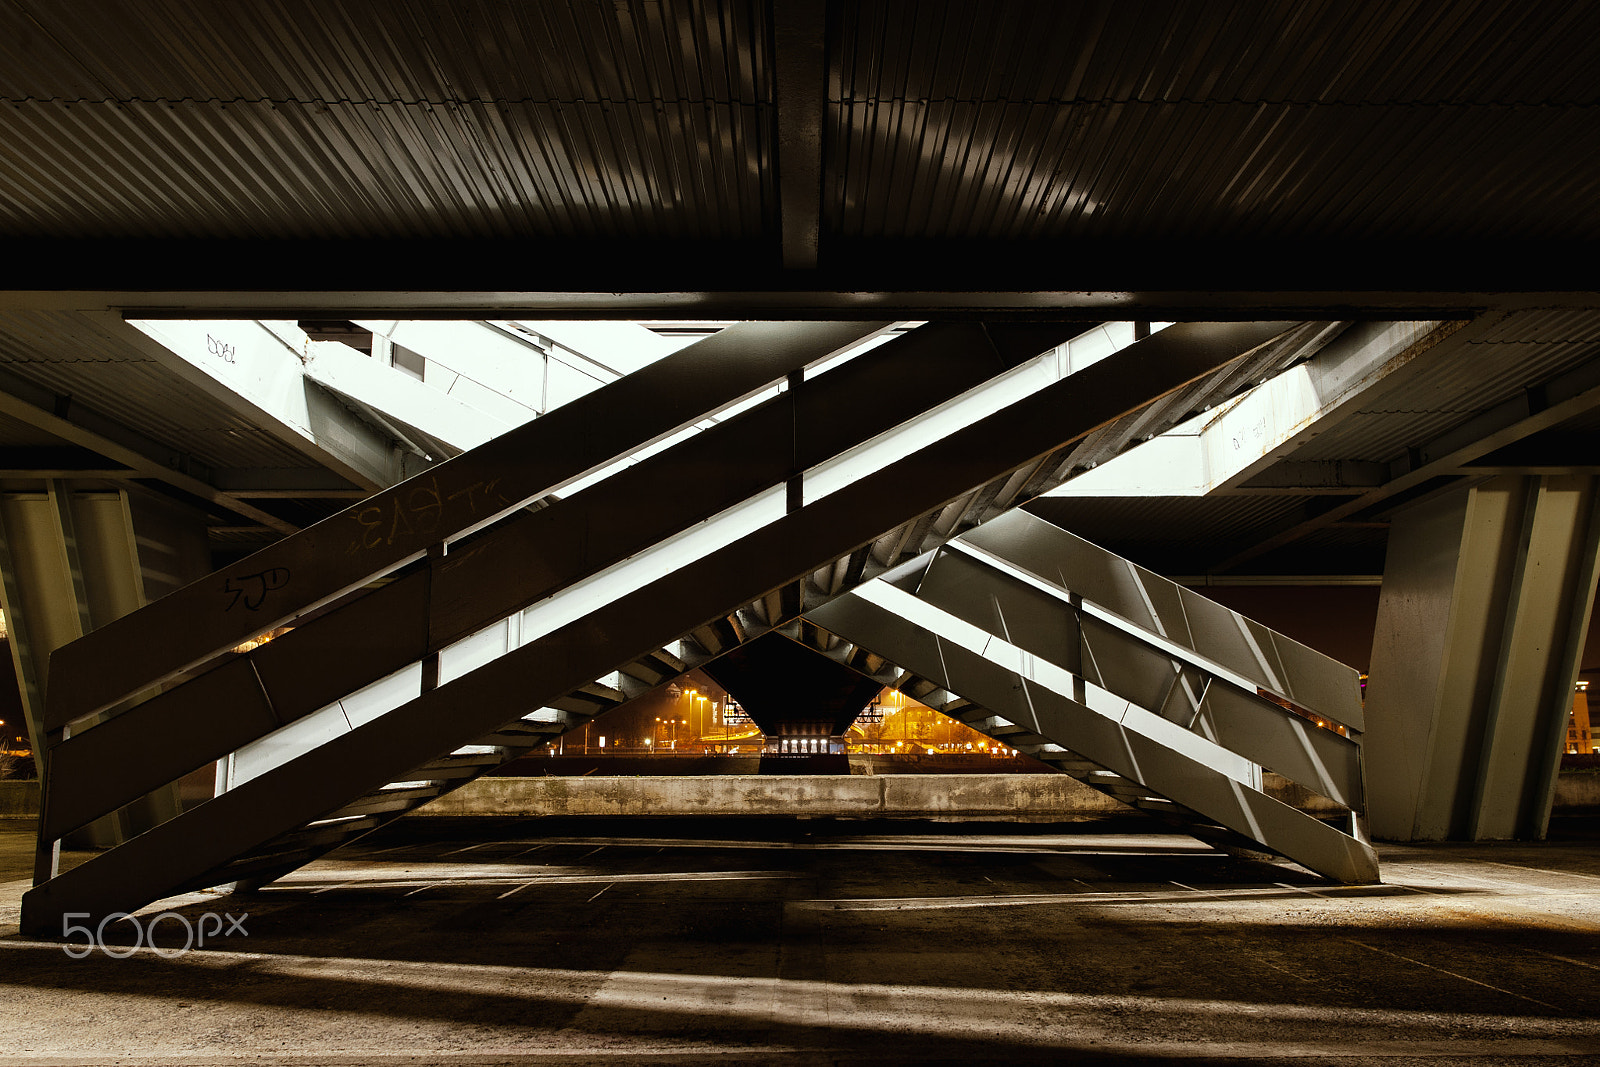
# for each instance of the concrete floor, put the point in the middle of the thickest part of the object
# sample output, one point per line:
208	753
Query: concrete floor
519	941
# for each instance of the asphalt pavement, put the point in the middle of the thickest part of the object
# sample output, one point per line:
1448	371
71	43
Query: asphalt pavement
790	941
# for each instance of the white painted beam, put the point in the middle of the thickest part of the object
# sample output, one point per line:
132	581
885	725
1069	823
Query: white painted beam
257	369
1221	449
399	398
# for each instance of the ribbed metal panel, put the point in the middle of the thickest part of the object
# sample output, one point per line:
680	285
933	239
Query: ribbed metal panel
1316	52
385	51
1425	399
74	357
367	118
1150	527
959	120
1545	326
360	170
1412	52
386	120
947	169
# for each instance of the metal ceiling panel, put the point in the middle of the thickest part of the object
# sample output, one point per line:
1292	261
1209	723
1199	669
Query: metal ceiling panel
1427	399
1183	121
1545	326
74	357
949	169
1317	52
370	119
288	170
366	118
385	51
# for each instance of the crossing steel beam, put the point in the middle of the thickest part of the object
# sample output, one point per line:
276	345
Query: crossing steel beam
442	720
455	498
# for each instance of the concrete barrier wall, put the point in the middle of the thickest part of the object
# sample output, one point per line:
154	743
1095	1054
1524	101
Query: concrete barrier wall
19	800
964	796
1017	797
1011	797
1578	792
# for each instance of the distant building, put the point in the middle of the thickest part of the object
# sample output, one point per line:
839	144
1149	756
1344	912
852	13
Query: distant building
1580	738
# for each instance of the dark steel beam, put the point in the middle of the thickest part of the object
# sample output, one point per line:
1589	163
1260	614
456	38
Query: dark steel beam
451	500
452	715
57	457
800	83
1553	452
883	278
287	482
1313	477
522	560
75	474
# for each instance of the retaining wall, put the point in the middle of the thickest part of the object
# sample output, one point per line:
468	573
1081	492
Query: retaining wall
1578	791
19	800
1012	797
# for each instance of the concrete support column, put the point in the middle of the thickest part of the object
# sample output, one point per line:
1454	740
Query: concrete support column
1480	630
71	561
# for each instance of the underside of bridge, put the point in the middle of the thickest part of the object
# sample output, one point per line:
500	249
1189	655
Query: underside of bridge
387	388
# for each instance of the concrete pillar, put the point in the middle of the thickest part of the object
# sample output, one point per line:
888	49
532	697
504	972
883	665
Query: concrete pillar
71	560
1480	630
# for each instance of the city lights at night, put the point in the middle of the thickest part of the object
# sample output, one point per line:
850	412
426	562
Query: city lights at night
698	718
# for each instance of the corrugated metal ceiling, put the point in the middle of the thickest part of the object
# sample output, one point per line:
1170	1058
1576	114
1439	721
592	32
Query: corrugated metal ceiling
405	118
1154	528
1291	121
1429	397
310	170
386	51
1142	120
1309	52
385	119
78	357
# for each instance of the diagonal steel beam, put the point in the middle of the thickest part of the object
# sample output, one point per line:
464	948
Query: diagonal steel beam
249	368
448	502
294	483
445	718
1187	768
521	560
